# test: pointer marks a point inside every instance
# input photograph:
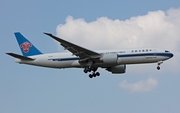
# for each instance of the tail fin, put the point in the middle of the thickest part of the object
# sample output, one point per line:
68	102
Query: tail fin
27	48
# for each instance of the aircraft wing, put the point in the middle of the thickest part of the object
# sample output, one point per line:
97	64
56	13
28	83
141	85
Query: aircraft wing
75	49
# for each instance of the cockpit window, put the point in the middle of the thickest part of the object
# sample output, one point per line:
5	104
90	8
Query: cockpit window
167	51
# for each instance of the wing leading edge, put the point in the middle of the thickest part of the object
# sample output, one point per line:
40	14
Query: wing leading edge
79	51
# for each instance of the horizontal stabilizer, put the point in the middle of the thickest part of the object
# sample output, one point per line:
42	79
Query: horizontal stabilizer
19	56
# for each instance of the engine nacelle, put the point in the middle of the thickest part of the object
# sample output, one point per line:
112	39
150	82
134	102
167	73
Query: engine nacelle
117	69
109	58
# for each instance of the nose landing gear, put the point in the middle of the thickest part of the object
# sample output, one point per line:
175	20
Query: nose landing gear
158	68
159	63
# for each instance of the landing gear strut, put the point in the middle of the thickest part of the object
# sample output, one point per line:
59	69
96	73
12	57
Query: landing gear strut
159	63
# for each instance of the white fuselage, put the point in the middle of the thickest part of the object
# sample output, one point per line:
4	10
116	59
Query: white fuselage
126	56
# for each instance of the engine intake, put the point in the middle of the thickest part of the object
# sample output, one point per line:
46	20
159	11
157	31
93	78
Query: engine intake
109	58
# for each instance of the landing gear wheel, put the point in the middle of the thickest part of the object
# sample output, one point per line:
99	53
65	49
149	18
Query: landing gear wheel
158	68
85	70
89	70
94	75
97	74
94	69
90	76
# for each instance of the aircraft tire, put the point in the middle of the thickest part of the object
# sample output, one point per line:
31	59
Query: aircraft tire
85	71
94	75
97	74
90	76
158	68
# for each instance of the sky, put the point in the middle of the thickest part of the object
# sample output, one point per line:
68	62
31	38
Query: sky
96	25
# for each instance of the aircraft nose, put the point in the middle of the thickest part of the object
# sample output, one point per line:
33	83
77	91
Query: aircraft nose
170	55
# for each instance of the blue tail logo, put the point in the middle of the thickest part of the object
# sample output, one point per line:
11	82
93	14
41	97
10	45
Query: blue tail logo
27	48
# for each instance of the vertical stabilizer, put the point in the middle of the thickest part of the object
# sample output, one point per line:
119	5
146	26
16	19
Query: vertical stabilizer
27	48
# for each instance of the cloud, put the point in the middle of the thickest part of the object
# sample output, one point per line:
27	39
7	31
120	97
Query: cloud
157	29
140	86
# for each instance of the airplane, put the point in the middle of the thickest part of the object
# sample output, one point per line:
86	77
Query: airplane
114	61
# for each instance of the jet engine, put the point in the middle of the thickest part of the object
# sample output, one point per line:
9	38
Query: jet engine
117	69
110	59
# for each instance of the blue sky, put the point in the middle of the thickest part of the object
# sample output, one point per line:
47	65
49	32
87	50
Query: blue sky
31	89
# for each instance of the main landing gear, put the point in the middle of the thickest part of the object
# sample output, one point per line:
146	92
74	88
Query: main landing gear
159	63
94	74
